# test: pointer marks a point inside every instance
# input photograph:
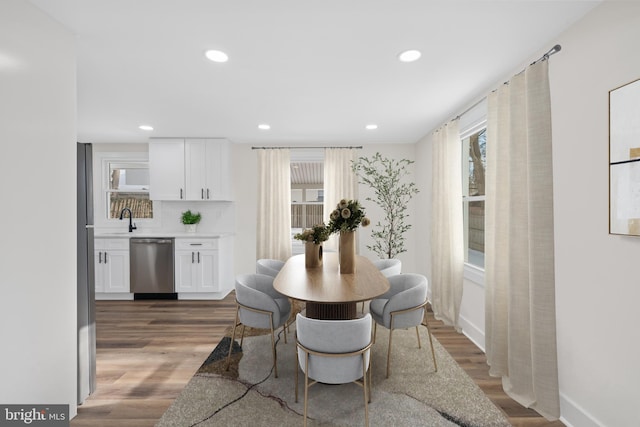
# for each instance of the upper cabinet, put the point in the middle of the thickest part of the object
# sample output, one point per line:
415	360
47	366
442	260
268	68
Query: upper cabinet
189	169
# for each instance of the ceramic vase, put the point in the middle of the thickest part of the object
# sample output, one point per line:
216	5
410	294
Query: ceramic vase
191	228
312	255
347	252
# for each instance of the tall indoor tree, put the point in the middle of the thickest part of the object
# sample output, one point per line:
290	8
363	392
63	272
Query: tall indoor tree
387	177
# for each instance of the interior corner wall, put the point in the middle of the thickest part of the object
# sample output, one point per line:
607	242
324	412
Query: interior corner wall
38	329
597	288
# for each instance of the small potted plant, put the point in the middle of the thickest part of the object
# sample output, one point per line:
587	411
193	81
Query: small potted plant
190	220
313	238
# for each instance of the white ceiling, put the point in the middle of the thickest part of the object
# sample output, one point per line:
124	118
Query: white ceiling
316	71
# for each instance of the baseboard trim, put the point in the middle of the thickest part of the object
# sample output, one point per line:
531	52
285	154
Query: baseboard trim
106	296
573	415
471	331
204	295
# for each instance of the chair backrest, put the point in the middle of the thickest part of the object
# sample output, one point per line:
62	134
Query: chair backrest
270	267
256	291
334	337
388	267
408	290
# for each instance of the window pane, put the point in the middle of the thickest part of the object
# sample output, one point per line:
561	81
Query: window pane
314	195
129	176
296	195
477	163
139	203
475	235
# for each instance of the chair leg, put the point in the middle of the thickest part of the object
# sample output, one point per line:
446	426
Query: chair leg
306	386
242	336
273	350
389	353
297	369
433	353
233	337
418	335
370	378
364	388
375	329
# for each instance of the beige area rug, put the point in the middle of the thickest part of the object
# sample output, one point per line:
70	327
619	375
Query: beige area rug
249	394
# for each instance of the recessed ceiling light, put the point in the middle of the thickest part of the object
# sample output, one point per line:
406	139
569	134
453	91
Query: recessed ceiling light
216	56
409	55
371	126
145	127
264	126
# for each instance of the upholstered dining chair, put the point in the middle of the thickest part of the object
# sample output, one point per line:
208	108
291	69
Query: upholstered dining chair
258	305
334	352
402	306
270	267
388	267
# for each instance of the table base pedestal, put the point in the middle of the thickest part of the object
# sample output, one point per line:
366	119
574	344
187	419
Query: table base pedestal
337	311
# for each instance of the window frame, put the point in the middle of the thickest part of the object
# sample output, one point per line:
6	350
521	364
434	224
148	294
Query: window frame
101	189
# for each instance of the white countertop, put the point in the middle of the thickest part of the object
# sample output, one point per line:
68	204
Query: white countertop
151	234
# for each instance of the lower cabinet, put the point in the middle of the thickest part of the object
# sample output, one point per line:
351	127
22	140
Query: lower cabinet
111	265
197	265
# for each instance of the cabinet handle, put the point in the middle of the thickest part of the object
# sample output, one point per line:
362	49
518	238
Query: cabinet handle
208	194
99	257
202	193
192	257
198	257
195	244
181	194
105	257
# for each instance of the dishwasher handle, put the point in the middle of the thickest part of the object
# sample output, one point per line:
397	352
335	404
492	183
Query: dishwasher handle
156	241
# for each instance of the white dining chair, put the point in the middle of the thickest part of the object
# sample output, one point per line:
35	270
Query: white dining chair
334	352
402	307
258	305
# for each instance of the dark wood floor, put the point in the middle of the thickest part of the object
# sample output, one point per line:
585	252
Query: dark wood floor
148	350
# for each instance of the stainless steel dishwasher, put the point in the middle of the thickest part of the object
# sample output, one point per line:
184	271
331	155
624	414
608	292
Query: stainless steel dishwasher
151	265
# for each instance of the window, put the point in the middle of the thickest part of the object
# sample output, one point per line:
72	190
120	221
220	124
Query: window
128	187
121	180
474	152
306	207
307	193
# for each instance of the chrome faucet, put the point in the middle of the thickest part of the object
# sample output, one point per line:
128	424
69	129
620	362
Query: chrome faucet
131	226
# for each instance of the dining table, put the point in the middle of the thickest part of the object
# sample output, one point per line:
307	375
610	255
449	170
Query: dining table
329	294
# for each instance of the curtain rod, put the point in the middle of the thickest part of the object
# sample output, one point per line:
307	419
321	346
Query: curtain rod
544	57
302	148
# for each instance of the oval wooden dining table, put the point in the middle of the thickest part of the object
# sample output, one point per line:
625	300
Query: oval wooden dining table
328	294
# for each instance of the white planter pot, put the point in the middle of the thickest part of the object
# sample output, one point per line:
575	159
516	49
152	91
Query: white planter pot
190	228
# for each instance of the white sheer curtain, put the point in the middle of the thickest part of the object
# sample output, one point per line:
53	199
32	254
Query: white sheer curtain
520	289
274	204
340	182
447	244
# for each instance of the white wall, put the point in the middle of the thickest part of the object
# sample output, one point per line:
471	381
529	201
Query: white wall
245	180
597	289
38	262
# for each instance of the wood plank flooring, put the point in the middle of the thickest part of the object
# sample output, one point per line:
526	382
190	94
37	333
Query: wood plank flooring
148	350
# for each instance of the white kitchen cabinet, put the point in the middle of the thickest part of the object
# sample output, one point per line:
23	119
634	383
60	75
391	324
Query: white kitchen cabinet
196	265
166	170
189	169
112	265
204	267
